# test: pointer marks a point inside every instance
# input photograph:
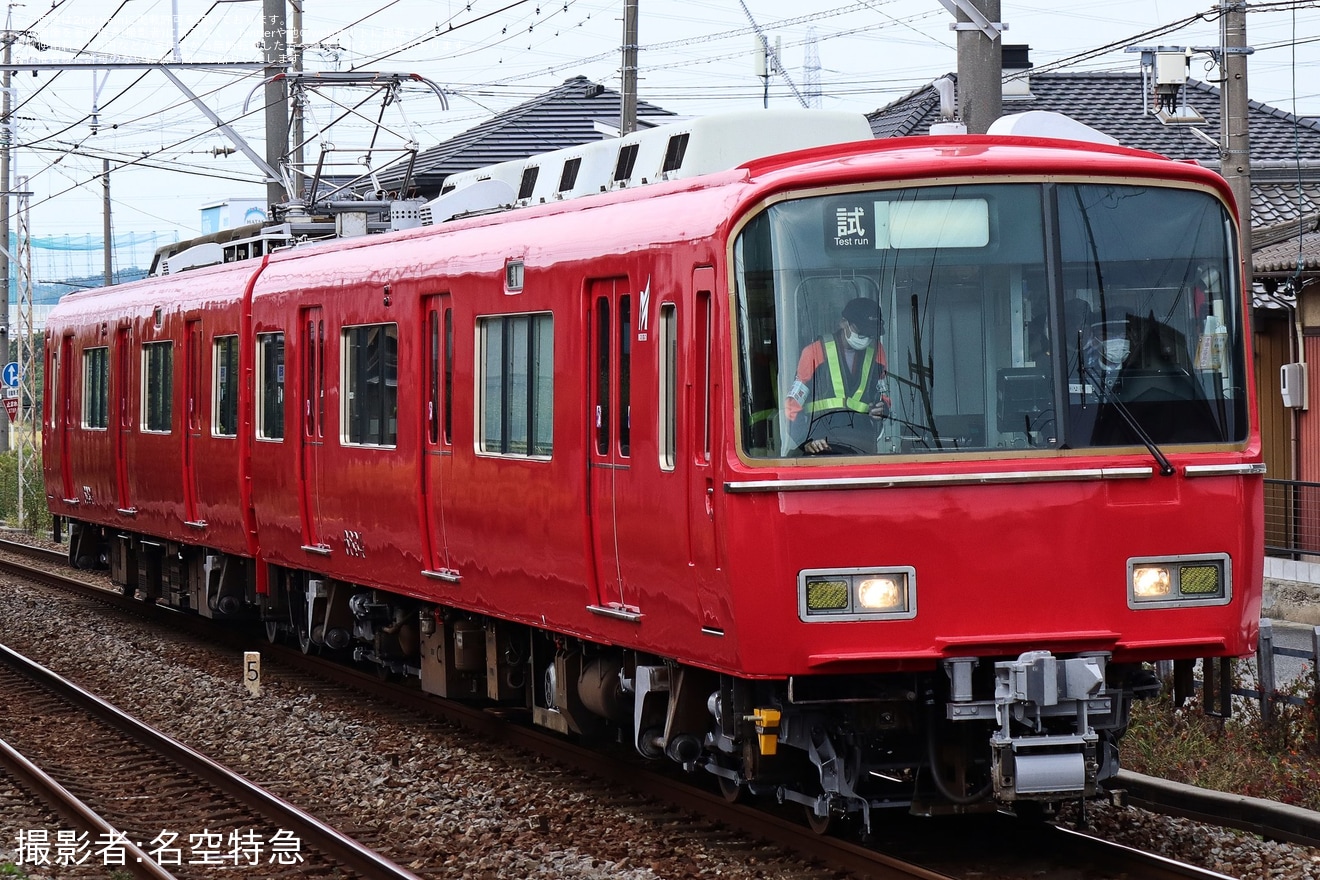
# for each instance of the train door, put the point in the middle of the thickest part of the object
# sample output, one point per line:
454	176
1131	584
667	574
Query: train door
437	444
63	413
694	453
195	419
312	432
610	360
123	383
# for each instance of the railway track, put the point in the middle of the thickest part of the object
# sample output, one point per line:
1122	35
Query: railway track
140	799
1062	847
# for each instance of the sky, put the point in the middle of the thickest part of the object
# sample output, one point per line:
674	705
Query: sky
695	57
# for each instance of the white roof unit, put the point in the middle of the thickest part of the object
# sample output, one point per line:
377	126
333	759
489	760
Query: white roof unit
679	149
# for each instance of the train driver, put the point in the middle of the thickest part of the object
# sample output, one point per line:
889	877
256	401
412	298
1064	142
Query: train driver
839	392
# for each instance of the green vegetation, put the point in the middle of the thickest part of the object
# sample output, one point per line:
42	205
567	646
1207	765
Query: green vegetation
1278	761
36	518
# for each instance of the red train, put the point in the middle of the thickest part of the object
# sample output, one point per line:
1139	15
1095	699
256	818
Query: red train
867	475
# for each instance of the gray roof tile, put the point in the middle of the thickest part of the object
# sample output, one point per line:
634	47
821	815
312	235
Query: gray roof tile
1285	149
562	117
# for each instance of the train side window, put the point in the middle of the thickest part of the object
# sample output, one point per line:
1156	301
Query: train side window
668	369
96	388
516	385
433	377
371	384
449	376
625	375
157	386
270	386
224	418
440	376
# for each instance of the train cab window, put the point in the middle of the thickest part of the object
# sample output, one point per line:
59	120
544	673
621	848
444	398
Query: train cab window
157	386
371	385
984	318
516	385
224	390
270	386
96	388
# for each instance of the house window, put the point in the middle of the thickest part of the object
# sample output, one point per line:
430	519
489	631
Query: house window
224	419
517	385
96	388
270	386
157	385
371	384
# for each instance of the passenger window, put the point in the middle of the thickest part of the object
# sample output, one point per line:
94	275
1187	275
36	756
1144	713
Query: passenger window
96	388
157	386
270	386
370	382
517	385
224	390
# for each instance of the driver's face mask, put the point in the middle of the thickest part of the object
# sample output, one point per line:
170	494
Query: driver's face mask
1115	350
855	342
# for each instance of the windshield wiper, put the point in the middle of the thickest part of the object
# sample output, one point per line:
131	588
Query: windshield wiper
1107	395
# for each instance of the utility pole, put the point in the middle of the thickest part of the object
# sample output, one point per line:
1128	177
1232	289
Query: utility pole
275	31
299	153
1235	150
628	114
980	62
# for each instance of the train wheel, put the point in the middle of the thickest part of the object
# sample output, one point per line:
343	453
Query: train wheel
733	791
820	824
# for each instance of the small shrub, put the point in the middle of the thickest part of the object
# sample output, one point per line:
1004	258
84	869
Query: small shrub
1243	754
36	517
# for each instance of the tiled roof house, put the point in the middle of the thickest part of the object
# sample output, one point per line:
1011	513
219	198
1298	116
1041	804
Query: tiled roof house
1285	149
577	112
1285	209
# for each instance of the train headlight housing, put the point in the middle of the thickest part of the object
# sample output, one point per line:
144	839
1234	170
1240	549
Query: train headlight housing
857	594
1180	581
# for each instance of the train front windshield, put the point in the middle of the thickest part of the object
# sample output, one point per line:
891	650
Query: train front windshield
989	317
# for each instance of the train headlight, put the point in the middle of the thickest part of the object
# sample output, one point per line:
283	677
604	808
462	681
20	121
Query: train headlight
881	594
1151	582
857	594
1180	581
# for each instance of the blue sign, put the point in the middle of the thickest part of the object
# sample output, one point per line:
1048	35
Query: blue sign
11	374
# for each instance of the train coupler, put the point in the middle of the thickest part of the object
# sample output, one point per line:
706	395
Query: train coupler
1044	745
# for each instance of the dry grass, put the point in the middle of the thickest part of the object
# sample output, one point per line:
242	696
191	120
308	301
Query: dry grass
1279	761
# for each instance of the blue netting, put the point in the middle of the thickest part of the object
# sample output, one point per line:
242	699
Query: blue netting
63	263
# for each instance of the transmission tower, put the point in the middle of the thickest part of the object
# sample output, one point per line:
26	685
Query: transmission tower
811	71
25	420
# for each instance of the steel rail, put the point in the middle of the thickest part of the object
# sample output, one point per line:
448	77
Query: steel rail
350	853
74	811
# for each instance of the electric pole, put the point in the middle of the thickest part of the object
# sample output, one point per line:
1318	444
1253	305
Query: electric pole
1235	150
628	114
275	45
980	62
